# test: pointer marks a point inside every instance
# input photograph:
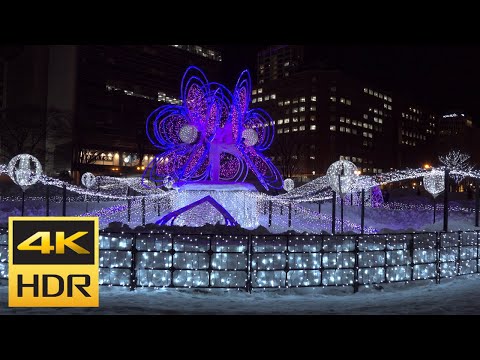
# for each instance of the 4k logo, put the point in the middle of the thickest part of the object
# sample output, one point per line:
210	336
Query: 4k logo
53	262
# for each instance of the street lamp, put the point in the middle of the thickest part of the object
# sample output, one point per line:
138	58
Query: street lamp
427	166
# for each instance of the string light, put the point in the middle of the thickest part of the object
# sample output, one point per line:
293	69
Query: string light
288	184
88	180
434	182
23	174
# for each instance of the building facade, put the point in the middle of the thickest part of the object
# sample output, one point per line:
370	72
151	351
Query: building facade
93	100
323	115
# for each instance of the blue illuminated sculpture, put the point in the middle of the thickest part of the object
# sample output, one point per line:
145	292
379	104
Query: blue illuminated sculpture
212	137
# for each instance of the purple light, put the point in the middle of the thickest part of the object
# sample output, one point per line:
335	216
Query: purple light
202	138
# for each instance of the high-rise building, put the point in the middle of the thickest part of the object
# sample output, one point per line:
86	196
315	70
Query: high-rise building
457	131
92	101
277	62
324	115
415	133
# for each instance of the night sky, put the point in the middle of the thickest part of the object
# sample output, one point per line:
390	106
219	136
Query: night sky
444	78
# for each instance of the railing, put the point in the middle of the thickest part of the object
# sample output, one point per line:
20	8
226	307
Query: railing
278	261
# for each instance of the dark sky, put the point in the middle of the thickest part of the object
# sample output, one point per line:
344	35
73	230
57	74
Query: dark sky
446	78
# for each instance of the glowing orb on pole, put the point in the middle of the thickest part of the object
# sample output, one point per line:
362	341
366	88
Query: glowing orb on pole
25	170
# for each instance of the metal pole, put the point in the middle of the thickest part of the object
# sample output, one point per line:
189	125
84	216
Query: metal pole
270	213
143	211
334	197
23	202
477	203
341	212
64	205
129	205
47	199
289	214
434	209
445	201
362	216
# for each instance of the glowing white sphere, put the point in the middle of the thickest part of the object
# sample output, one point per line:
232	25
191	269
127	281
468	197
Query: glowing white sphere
250	136
168	182
188	134
341	176
88	180
434	182
21	171
288	184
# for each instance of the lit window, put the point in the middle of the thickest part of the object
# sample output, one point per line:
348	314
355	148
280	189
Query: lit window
389	107
254	101
365	134
370	135
365	116
302	118
333	128
302	99
342	157
380	95
313	127
260	90
347	120
287	120
294	129
370	126
354	159
254	92
365	90
280	103
301	128
347	158
259	99
302	108
312	157
342	118
295	101
359	123
313	98
333	98
279	131
267	97
375	94
295	119
348	102
313	108
312	117
347	130
287	102
342	100
354	122
286	130
280	122
370	91
375	111
365	125
342	128
273	96
294	110
287	63
390	100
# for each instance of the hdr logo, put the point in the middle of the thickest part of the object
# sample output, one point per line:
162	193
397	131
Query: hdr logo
53	262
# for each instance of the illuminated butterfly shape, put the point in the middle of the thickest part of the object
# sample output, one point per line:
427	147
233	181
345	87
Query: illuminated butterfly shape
213	136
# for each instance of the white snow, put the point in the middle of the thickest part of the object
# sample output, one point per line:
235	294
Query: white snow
453	296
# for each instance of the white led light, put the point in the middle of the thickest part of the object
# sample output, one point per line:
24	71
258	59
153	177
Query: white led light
23	174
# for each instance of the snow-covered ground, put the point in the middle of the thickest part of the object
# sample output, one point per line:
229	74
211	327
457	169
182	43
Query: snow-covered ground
456	296
385	220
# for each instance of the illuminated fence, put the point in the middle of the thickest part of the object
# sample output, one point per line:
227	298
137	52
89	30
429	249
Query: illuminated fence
279	261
